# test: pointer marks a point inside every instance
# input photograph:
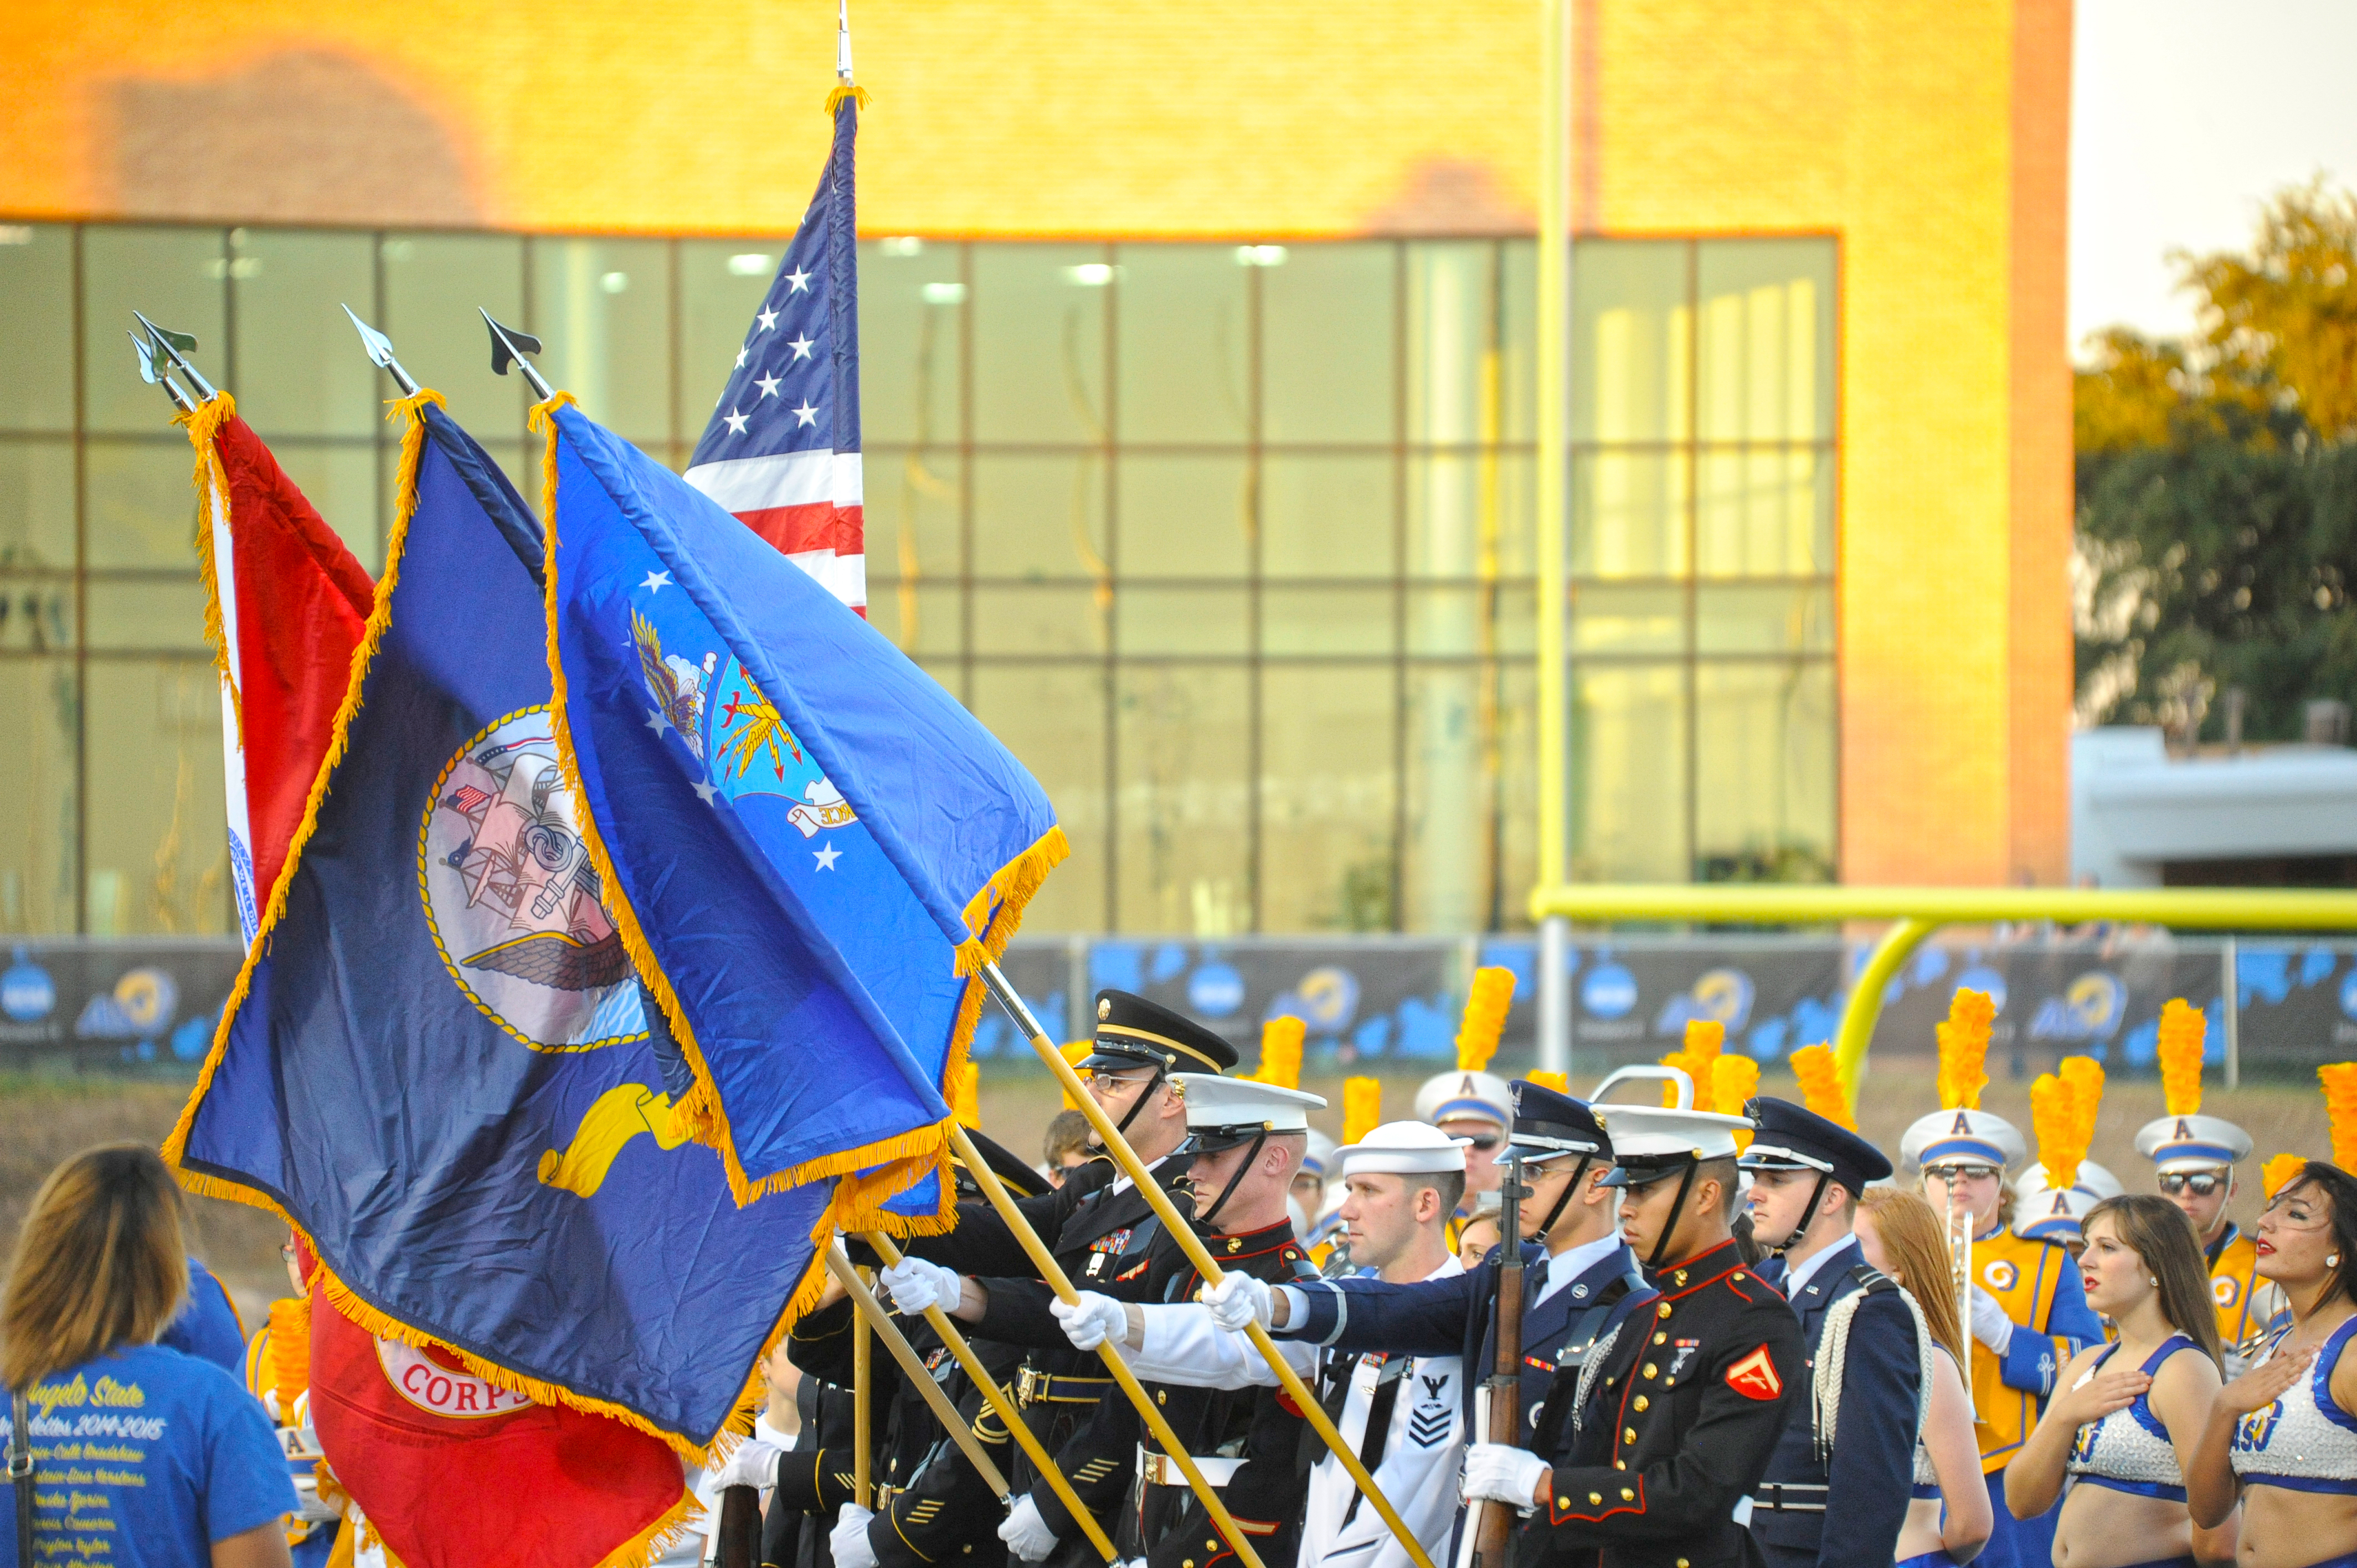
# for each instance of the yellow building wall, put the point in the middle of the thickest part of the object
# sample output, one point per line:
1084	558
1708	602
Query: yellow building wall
1929	135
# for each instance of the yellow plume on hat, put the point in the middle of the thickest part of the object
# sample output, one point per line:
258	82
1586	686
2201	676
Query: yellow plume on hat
290	1353
963	1091
1963	1049
2182	1028
2276	1172
2064	1123
1705	1038
2341	1110
1280	1052
1559	1081
1363	1107
1485	1018
1821	1085
1734	1079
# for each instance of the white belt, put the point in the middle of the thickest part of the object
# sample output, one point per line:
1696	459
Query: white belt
1162	1470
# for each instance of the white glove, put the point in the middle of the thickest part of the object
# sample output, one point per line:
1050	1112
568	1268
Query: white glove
917	1284
1026	1533
1502	1473
1991	1326
848	1539
1091	1320
755	1463
1237	1301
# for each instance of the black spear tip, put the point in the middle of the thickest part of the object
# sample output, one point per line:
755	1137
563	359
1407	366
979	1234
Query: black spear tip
506	344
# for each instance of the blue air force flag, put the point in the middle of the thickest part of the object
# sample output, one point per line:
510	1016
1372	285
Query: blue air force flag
435	1063
817	846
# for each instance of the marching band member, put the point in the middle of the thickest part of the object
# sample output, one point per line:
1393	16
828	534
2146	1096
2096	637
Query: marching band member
2194	1159
2129	1413
2283	1437
1398	1412
2025	1306
1836	1487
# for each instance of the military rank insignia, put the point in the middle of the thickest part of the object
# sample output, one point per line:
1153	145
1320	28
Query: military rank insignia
1754	1377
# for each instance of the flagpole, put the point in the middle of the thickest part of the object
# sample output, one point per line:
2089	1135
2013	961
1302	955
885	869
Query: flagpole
380	353
842	41
960	1430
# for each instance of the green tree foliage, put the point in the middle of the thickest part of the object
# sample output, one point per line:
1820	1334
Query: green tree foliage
2217	489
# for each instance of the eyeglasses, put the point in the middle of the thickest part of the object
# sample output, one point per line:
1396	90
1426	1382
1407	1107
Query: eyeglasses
2201	1184
1960	1173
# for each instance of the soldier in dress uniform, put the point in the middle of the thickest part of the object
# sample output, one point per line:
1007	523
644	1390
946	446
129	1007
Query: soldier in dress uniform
1676	1415
2194	1159
1837	1486
1106	1239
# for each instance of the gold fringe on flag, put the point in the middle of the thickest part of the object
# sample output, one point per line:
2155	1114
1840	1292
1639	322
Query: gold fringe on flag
2182	1027
964	1094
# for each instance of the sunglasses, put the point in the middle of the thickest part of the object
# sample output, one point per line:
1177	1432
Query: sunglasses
2199	1184
1485	1141
1960	1173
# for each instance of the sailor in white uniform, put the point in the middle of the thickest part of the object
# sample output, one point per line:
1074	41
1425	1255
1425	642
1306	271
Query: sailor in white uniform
1400	1413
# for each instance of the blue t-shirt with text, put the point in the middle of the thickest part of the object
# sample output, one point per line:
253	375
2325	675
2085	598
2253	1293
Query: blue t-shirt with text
142	1458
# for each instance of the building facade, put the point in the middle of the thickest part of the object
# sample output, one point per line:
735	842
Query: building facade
1197	399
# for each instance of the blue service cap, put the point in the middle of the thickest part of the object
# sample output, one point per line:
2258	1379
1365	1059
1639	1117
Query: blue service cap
1793	1138
1549	1124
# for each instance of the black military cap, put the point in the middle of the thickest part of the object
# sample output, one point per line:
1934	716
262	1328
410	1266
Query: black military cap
1133	1032
1793	1138
1548	1123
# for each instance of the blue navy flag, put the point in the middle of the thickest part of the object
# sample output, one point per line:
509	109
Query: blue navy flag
435	1064
811	847
782	453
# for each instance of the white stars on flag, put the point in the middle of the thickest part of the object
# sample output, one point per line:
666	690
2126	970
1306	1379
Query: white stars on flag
807	413
827	857
798	280
656	722
768	318
735	422
656	582
705	789
769	385
801	347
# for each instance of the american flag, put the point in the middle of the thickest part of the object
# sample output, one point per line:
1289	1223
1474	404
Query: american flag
782	449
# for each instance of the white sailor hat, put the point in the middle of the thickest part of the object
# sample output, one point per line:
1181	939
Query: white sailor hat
1462	1091
2193	1143
1225	1111
2093	1179
1650	1141
2042	1214
1403	1147
1963	1138
1318	1159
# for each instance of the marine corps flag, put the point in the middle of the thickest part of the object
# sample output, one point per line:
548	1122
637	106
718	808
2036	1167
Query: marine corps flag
809	845
434	1062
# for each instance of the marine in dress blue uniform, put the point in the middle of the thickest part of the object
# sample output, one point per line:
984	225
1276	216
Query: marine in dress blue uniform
1836	1489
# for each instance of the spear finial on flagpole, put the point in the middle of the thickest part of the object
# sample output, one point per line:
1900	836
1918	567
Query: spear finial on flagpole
379	352
509	347
156	378
177	346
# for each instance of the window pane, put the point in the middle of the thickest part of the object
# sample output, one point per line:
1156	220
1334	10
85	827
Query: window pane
1326	516
914	512
1518	345
1180	620
143	508
37	329
434	285
1764	800
1327	792
1038	517
1451	318
1767	340
1326	343
1185	343
159	849
1629	774
721	284
1183	783
1518	798
603	306
1628	514
1613	619
1039	621
1052	718
144	617
37	502
173	274
922	621
1038	342
1469	516
1185	517
1632	337
37	614
1322	620
1766	514
1450	622
1764	618
300	370
910	297
37	771
1449	873
341	484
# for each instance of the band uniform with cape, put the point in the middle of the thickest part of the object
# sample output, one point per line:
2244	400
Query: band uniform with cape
436	1065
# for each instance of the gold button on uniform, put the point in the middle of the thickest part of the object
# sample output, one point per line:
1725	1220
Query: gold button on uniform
1234	1245
1650	1369
1662	1310
1595	1496
1661	1338
1627	1496
1563	1502
1628	1435
1682	1276
1641	1402
1160	1397
1619	1463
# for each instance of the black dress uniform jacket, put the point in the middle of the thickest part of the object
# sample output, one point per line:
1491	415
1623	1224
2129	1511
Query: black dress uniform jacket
1845	1510
1682	1414
814	1476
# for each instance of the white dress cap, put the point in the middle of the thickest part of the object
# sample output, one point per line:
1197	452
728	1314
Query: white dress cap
2193	1143
1402	1147
1461	1091
1653	1133
1214	1101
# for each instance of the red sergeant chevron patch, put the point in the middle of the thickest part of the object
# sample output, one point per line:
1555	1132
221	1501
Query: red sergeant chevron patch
1754	1377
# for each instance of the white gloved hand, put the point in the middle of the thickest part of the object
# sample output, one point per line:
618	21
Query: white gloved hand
848	1539
1238	1300
1502	1473
1991	1326
917	1284
1026	1533
1091	1320
755	1463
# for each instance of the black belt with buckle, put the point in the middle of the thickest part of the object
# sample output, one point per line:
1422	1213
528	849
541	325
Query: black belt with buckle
1032	1387
1779	1496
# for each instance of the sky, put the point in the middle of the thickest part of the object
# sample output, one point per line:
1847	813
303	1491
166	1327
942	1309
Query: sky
2185	116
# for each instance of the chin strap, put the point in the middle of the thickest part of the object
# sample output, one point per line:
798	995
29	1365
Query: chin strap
1808	1216
1571	1190
1260	1140
1139	1104
1677	1207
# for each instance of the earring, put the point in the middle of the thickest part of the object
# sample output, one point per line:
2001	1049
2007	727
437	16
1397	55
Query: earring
2156	1281
2333	1261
